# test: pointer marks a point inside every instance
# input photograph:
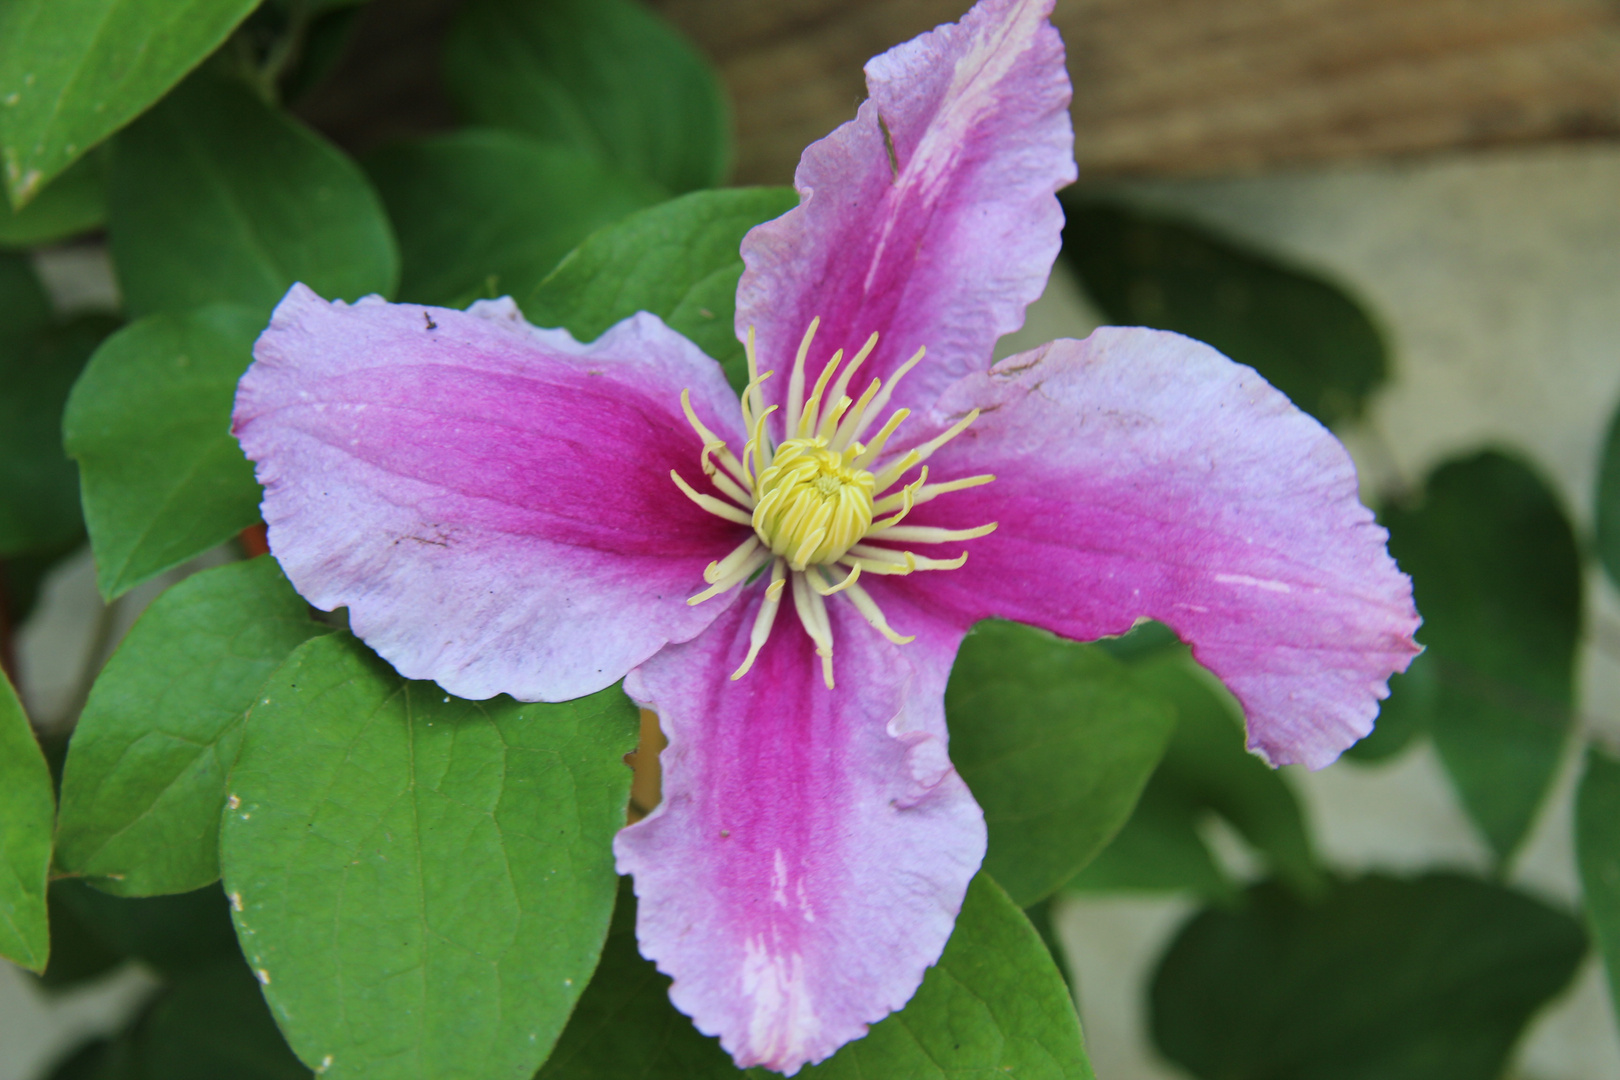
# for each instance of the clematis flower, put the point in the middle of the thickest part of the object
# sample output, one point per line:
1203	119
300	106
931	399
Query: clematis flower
506	510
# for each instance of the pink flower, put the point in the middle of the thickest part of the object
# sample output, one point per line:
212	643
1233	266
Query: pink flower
505	510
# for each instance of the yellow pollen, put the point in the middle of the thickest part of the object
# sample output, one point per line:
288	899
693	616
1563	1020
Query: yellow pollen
811	498
813	505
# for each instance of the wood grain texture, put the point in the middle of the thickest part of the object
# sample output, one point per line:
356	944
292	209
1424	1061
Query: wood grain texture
1207	86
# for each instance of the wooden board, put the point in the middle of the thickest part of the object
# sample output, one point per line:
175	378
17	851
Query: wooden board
1207	86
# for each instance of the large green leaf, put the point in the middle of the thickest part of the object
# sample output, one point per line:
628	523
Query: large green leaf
1056	740
145	776
487	213
423	883
149	423
26	810
1205	770
74	203
73	72
1497	576
1303	333
39	486
1387	979
1597	852
1608	501
994	1005
679	260
217	196
605	76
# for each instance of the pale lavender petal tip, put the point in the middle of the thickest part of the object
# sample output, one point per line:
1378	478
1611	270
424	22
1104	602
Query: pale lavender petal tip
943	244
491	501
813	847
1141	473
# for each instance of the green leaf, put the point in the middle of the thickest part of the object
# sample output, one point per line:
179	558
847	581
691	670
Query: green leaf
1426	979
172	934
1608	502
487	213
1056	740
73	72
1496	574
217	196
26	810
74	203
1597	853
210	1025
679	260
39	486
149	423
607	77
1403	716
1308	337
423	883
145	777
24	307
1205	770
994	1005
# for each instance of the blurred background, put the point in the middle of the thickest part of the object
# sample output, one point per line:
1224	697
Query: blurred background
1434	184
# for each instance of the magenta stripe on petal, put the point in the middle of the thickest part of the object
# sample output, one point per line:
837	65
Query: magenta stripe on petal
947	251
813	846
1143	474
492	502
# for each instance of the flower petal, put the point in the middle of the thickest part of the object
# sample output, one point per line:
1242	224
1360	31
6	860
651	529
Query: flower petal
944	243
813	846
492	502
1143	474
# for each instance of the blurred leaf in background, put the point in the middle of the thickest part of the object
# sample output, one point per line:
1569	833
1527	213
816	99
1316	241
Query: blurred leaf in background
607	77
1306	335
1055	739
72	72
486	213
1497	576
678	260
1608	502
1205	771
27	807
73	203
1430	978
1597	853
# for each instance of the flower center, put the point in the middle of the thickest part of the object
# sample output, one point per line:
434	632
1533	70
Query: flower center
813	499
814	503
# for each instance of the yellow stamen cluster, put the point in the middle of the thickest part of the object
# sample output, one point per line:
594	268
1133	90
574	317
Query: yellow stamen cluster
813	500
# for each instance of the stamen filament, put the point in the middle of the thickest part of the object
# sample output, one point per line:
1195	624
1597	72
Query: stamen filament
873	614
930	492
906	495
875	447
927	534
796	379
737	576
912	561
841	387
712	504
822	587
882	400
847	427
881	567
813	615
712	443
812	408
895	471
761	633
723	567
